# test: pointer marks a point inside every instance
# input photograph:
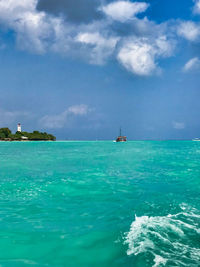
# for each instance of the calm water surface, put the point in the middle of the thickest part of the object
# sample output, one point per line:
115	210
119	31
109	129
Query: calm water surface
100	204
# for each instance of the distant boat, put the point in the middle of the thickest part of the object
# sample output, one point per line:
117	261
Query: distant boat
196	139
121	138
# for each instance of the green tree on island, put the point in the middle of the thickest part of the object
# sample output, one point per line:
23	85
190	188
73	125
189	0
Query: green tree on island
7	135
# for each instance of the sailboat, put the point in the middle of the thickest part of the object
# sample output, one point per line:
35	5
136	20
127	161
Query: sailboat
121	138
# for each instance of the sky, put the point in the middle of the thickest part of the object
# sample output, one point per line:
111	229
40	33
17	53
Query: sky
82	69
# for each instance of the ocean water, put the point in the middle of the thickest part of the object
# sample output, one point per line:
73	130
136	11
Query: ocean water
100	204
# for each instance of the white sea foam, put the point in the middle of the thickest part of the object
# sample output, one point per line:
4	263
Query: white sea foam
171	239
159	261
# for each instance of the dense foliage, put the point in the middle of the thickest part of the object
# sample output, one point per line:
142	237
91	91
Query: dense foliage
6	134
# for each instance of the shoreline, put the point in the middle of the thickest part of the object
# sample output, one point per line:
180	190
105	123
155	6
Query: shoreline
147	140
27	141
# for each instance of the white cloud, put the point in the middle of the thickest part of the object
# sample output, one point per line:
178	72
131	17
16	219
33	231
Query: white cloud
192	64
15	8
196	8
124	10
40	32
189	30
178	125
138	58
60	120
79	109
163	46
139	55
32	28
54	121
9	117
100	47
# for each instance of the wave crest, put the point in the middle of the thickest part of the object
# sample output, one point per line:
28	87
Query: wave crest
172	240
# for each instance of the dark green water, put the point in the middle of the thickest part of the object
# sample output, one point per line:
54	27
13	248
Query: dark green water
100	204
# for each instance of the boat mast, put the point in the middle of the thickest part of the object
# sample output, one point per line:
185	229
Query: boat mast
120	131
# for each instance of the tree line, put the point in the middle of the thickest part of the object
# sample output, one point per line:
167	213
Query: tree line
7	135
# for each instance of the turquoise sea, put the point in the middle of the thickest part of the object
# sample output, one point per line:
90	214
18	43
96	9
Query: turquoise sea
87	204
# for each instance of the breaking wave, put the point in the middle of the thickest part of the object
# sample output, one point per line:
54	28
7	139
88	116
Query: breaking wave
172	240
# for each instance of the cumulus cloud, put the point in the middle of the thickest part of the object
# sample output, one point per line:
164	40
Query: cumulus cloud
33	29
138	44
189	30
178	125
38	32
139	55
192	65
124	10
101	47
196	8
60	120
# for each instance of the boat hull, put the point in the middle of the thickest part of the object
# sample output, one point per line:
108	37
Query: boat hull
121	139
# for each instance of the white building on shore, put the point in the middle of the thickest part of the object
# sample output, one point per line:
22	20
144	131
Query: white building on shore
19	128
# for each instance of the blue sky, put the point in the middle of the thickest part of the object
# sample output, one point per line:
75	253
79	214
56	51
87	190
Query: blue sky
82	69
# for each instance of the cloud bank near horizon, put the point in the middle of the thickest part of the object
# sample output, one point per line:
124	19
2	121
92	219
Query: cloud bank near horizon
64	118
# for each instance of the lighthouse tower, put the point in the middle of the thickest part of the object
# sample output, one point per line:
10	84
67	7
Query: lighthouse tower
19	128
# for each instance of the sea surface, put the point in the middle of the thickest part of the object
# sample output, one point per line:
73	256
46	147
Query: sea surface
88	204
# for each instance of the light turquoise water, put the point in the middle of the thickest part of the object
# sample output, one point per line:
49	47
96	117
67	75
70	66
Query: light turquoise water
100	204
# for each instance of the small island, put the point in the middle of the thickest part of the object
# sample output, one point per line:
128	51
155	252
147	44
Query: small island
7	135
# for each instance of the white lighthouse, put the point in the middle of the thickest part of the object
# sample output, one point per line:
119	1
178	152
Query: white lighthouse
19	128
